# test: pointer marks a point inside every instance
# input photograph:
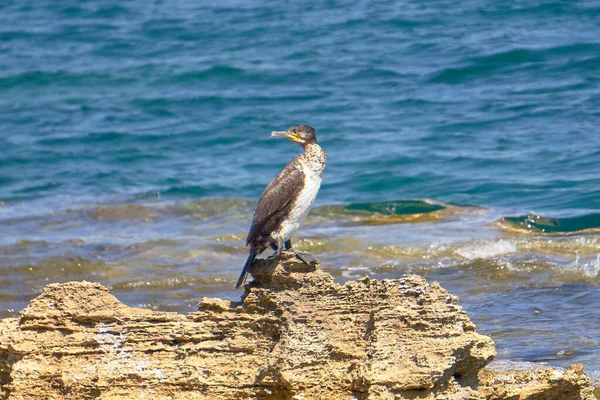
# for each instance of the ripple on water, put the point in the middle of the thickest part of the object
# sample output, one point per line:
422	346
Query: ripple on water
389	212
537	224
167	283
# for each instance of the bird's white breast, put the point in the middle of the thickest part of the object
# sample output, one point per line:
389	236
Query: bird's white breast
302	204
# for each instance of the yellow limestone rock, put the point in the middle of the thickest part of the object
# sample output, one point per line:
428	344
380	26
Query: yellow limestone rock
296	334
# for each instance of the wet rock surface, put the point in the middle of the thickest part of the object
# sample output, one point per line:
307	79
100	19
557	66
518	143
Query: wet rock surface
296	334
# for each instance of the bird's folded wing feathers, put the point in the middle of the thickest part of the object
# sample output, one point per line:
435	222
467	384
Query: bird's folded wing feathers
277	195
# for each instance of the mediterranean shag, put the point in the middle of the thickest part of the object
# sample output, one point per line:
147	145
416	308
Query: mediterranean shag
286	201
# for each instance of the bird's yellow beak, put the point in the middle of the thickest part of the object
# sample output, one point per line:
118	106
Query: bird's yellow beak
285	134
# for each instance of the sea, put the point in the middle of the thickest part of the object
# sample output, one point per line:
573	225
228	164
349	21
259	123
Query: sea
463	145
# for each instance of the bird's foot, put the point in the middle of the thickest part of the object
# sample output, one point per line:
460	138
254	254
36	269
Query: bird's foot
306	258
277	254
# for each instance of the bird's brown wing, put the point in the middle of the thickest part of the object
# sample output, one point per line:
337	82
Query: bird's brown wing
276	198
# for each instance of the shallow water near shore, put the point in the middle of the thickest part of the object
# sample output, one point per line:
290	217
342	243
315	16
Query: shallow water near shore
462	142
533	292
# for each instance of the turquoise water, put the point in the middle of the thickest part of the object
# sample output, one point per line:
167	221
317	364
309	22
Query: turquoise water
462	139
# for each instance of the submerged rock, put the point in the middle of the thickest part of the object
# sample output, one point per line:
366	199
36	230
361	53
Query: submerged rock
296	334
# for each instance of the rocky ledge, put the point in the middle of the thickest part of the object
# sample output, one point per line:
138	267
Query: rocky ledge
296	334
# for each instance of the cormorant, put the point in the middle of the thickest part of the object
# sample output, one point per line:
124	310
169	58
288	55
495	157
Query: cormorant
286	201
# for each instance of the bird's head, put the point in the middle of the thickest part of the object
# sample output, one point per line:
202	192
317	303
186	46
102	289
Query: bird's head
301	134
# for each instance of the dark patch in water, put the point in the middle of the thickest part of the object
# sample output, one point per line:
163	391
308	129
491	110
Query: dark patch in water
536	223
402	207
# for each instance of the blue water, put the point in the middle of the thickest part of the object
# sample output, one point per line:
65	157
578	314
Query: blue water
478	102
126	123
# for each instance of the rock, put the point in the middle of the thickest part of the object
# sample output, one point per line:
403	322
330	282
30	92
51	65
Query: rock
296	334
546	383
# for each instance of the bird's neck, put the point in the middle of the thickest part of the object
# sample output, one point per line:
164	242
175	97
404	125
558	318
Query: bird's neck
315	158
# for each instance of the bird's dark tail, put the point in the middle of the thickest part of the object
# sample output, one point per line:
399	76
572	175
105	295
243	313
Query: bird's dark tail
249	261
